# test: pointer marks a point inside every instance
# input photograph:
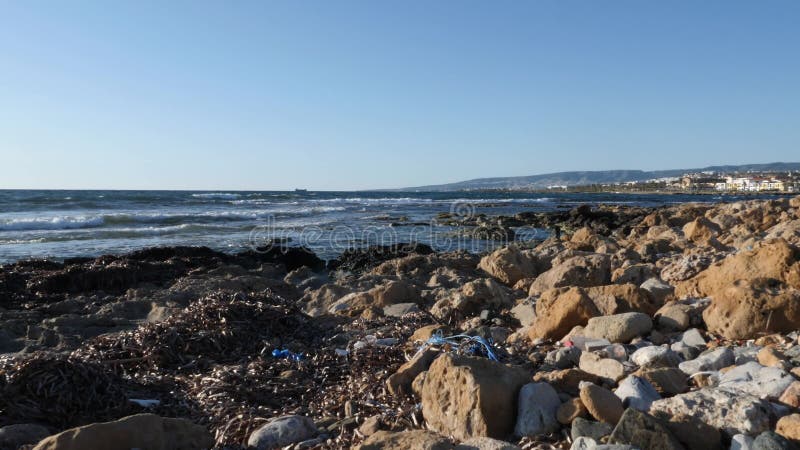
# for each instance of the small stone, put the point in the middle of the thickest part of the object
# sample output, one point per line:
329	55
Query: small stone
708	361
485	443
563	358
666	380
746	354
619	327
282	431
400	309
658	290
770	357
684	351
755	379
791	396
601	403
637	393
589	428
525	312
644	431
694	434
567	380
569	410
789	427
674	317
769	440
741	442
693	338
584	443
654	356
605	368
537	407
370	426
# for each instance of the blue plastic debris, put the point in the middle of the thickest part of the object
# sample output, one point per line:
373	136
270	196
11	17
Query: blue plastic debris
473	345
285	353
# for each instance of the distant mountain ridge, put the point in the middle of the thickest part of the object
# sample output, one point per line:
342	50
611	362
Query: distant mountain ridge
581	178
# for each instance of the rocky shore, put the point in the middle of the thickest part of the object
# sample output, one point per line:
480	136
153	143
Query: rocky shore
666	328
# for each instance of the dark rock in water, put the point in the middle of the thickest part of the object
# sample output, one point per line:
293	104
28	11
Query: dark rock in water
291	257
167	253
770	440
492	233
362	259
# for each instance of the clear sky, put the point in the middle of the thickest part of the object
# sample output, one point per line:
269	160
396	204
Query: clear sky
379	94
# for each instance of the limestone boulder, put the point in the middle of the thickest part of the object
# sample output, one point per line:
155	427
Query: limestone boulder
467	397
775	260
621	298
138	431
584	270
701	231
731	412
282	431
618	327
403	440
509	265
748	309
559	310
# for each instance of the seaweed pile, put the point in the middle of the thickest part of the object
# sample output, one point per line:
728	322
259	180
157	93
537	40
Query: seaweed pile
61	391
213	363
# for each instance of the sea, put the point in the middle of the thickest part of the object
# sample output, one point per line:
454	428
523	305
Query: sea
57	224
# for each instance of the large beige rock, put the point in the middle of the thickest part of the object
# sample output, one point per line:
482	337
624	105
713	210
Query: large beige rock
773	260
749	309
701	231
621	298
509	265
473	297
404	440
319	301
559	310
145	431
394	292
468	397
583	270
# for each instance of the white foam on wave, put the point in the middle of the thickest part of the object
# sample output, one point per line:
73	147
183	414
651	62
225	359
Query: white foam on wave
220	195
51	223
67	222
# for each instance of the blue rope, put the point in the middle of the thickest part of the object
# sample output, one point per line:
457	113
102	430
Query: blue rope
457	340
280	354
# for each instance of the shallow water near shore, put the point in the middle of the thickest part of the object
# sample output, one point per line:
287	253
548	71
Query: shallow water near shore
59	224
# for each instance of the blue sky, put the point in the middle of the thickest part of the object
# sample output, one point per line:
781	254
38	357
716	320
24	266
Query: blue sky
374	94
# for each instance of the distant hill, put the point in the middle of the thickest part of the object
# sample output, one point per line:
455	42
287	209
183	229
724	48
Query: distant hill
593	177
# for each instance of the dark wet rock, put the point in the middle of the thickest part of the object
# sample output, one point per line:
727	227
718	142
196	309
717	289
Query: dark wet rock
292	257
363	259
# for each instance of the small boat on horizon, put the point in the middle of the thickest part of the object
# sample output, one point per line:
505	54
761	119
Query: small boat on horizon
301	191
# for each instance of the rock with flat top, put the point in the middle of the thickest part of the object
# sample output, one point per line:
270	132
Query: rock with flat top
618	327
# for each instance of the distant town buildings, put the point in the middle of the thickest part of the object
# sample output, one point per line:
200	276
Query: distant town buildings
756	182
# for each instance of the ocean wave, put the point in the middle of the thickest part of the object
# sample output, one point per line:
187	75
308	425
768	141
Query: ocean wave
220	195
65	222
51	223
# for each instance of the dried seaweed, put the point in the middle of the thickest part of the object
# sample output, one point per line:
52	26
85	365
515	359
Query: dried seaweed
60	391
